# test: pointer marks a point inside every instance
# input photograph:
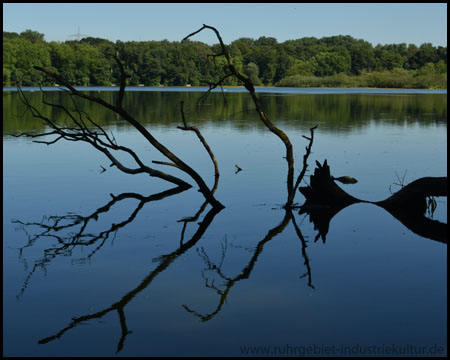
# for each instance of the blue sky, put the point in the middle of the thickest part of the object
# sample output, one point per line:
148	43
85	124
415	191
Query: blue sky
376	23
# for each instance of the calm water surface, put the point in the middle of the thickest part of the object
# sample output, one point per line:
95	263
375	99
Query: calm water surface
128	277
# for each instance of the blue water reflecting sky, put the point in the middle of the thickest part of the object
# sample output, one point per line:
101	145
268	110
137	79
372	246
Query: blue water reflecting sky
375	281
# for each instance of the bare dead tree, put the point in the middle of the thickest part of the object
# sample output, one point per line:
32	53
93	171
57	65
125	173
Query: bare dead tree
87	130
248	84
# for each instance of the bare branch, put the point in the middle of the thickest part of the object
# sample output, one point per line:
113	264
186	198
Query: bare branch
34	135
83	133
305	160
212	86
201	138
251	89
48	142
118	109
122	82
165	163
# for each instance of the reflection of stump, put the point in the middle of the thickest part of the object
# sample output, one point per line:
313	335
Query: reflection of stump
324	199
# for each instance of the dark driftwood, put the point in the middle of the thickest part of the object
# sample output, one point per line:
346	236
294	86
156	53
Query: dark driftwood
324	199
413	195
409	205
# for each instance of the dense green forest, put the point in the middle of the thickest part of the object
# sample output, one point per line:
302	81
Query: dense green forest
336	61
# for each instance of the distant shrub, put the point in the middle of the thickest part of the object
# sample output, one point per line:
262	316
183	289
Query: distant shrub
395	78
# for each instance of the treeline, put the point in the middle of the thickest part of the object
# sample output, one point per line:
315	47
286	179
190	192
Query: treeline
337	61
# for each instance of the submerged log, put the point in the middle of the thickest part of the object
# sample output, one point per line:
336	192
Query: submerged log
413	196
324	199
409	205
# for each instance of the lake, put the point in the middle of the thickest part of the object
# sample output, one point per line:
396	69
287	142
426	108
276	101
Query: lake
101	263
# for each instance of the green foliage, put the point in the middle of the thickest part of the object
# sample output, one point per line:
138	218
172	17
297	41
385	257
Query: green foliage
266	41
19	57
395	78
252	71
305	68
363	57
388	57
32	36
329	61
330	64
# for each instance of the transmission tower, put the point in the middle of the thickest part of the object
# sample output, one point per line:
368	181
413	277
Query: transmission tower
78	35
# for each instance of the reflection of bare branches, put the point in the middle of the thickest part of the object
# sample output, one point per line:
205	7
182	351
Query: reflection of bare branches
187	220
229	282
305	256
431	206
120	305
212	266
76	238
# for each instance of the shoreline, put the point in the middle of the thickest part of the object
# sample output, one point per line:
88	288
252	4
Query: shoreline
225	87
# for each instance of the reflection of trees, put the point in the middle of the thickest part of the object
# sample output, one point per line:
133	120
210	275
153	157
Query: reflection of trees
80	238
67	243
337	112
228	282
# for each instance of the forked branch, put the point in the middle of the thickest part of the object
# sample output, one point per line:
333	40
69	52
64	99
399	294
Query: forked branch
251	89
